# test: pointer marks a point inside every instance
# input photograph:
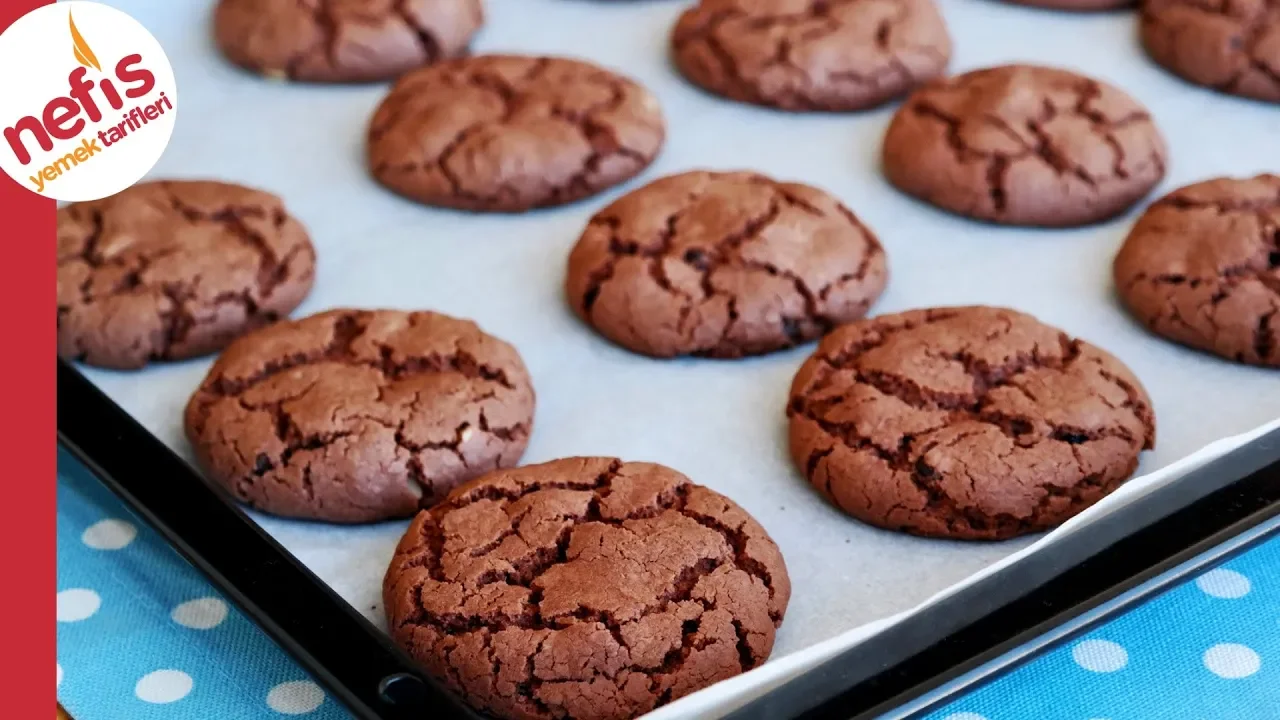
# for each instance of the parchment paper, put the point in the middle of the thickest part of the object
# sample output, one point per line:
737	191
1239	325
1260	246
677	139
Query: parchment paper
720	422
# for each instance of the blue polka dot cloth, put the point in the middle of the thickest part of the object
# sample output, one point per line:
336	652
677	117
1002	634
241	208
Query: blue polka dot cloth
1207	649
142	634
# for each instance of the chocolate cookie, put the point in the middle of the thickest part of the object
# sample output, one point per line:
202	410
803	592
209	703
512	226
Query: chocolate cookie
357	416
811	54
1024	145
584	588
723	265
507	133
1202	267
176	269
966	422
330	41
1233	47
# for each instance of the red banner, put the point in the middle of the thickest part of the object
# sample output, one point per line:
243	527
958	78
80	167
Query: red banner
27	291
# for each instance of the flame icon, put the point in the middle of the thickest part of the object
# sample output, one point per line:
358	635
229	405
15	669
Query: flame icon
81	48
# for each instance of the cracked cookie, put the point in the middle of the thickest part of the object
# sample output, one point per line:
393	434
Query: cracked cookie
1024	145
342	40
175	269
1202	267
723	264
359	415
506	133
965	422
584	588
811	54
1232	47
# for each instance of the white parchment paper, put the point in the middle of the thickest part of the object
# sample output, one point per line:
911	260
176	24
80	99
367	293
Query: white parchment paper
720	422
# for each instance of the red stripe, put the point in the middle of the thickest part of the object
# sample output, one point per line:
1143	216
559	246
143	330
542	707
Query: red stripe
28	229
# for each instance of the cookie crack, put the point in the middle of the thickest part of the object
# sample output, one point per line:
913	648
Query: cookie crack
707	34
997	163
958	516
619	248
682	590
325	45
490	492
89	254
528	569
600	137
1044	147
176	321
426	41
346	331
271	268
737	540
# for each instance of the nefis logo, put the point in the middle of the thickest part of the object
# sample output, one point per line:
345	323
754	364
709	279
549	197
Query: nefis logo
91	119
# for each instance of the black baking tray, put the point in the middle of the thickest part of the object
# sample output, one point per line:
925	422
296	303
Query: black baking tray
359	666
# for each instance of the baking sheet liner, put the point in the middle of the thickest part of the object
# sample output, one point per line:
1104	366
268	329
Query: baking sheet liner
720	422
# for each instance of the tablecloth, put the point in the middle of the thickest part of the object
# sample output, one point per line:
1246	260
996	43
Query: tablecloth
1205	649
142	635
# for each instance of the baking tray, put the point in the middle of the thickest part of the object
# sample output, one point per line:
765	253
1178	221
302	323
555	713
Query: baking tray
1041	594
720	422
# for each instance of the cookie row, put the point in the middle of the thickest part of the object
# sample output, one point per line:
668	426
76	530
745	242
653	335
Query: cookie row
591	588
700	263
1016	144
791	54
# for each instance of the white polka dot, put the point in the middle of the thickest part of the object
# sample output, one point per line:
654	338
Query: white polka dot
1223	583
77	604
59	674
295	698
163	686
200	614
1231	661
109	534
1100	655
964	716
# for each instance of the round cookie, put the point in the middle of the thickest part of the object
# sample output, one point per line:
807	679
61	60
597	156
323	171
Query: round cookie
358	416
584	588
723	264
965	422
1202	267
1230	47
1024	145
175	269
809	55
509	133
326	41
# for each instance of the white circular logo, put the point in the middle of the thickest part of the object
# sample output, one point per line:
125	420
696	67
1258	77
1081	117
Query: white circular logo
88	101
